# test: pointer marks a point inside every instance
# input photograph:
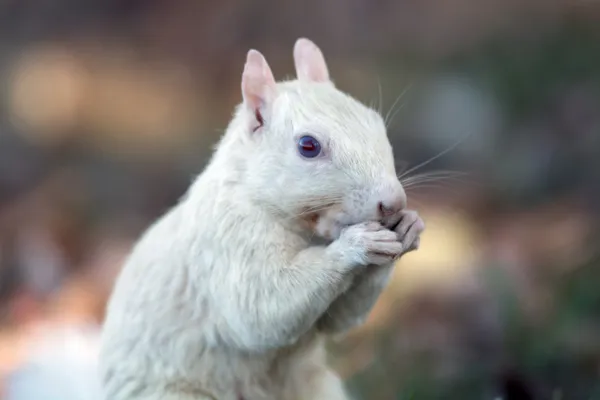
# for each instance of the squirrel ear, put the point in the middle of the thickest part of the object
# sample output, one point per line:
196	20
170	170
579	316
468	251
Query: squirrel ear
309	61
258	86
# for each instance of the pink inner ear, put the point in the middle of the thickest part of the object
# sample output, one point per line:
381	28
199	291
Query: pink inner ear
258	86
310	63
259	120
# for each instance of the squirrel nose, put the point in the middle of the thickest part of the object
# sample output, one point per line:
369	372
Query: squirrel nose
390	208
392	205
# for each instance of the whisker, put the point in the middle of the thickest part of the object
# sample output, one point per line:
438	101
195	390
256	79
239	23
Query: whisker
320	198
434	174
402	165
442	172
430	182
311	210
317	202
432	178
440	154
436	182
393	116
387	115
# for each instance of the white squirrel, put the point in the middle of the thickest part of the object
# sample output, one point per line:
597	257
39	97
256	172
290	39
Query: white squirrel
227	296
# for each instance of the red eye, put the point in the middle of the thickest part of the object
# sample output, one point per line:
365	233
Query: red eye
309	147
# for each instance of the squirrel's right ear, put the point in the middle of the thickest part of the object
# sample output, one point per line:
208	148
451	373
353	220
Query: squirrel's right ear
258	86
310	62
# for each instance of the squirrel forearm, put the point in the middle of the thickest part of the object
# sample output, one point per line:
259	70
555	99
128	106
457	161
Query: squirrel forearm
353	306
279	307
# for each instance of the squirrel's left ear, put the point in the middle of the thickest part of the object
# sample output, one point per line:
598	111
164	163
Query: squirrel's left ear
309	61
258	87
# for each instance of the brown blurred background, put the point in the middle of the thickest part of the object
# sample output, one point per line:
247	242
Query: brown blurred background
109	108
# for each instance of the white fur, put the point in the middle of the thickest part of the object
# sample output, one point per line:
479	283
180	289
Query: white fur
226	296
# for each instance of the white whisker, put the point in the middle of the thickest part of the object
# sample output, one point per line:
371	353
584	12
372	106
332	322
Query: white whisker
386	120
440	154
433	177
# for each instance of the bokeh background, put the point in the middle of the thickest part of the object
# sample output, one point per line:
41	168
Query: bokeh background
109	108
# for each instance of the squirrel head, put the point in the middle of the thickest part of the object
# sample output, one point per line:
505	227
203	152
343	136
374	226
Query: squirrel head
311	151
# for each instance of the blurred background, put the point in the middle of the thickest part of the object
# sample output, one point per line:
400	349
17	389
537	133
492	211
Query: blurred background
109	108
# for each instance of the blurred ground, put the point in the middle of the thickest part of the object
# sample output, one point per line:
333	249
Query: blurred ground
109	108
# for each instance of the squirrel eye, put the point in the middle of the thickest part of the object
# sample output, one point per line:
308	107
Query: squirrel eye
309	147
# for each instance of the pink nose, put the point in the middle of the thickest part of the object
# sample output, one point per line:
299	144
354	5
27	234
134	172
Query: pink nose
391	197
392	205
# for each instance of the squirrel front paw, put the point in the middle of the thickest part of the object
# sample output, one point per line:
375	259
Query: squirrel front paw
408	226
369	243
